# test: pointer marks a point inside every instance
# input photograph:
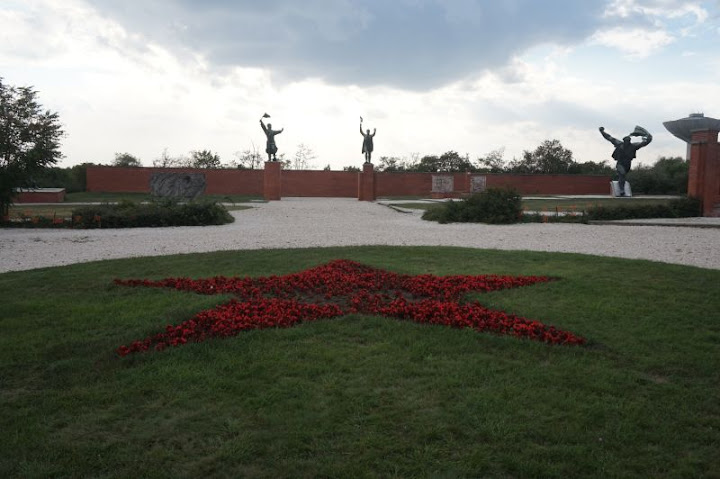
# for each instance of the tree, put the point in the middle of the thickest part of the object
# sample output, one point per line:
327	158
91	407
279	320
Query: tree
126	159
548	158
248	159
351	168
29	140
391	164
167	161
592	168
668	176
204	159
493	162
302	159
450	161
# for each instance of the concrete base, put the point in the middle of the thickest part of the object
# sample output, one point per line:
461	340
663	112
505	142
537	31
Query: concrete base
615	189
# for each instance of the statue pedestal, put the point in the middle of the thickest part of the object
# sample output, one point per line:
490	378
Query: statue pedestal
366	183
615	189
272	183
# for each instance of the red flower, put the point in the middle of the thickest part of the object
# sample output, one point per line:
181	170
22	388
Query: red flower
339	288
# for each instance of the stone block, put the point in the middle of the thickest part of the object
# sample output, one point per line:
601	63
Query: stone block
615	189
177	185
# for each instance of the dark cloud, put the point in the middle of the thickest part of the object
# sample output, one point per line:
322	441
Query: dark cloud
414	44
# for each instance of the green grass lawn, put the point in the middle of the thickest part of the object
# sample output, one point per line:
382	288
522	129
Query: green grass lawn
363	396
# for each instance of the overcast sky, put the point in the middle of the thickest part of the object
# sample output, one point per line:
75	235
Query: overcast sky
430	75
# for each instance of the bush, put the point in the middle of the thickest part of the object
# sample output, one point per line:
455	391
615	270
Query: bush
163	212
668	176
493	206
678	208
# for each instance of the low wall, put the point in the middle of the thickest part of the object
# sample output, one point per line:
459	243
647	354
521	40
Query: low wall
40	195
421	184
112	179
345	183
337	184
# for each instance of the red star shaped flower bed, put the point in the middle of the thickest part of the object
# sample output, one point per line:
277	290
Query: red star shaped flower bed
338	288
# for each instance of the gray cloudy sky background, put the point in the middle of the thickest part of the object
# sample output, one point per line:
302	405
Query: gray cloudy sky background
430	75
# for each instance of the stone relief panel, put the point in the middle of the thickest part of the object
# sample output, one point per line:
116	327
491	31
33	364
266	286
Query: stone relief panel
177	185
478	184
443	184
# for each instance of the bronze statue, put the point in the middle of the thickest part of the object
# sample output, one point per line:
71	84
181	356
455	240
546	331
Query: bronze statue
367	146
625	151
271	147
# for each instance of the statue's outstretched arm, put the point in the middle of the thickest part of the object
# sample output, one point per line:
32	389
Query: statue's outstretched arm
609	138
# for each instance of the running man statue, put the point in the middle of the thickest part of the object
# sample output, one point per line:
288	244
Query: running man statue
625	152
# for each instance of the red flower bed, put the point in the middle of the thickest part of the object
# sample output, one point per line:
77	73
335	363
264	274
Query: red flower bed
339	288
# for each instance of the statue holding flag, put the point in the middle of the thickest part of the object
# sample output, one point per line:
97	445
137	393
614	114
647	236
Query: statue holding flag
271	147
367	146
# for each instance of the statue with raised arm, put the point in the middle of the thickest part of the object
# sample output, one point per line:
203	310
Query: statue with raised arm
367	146
271	147
625	152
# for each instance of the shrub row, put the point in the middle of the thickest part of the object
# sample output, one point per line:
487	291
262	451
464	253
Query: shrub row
128	214
503	206
493	206
677	208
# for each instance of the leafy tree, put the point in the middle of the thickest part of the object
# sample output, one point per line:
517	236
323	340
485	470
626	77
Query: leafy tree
73	179
204	159
592	168
351	168
126	159
449	161
667	176
391	164
29	140
548	158
493	162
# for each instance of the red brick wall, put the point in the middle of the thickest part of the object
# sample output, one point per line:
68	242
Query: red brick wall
420	184
553	184
704	174
137	180
40	196
340	183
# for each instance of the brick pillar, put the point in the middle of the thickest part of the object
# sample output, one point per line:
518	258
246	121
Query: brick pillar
704	172
272	185
366	183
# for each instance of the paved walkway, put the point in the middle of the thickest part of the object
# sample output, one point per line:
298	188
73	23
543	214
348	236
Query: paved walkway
317	222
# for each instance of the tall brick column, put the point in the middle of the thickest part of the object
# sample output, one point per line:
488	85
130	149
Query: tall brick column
704	172
272	186
366	183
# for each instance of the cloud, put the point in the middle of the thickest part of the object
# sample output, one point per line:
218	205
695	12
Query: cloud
635	42
413	44
657	8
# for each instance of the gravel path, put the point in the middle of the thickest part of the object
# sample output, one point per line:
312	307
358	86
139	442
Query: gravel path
309	222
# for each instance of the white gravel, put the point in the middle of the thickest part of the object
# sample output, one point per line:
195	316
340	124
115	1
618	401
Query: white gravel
310	222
